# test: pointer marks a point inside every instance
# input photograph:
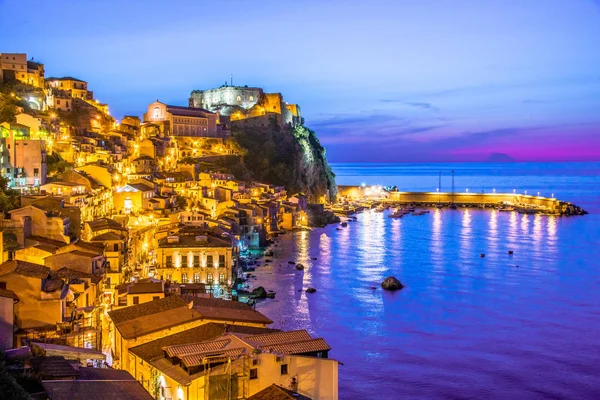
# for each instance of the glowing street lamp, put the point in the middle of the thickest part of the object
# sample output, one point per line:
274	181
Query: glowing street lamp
538	194
467	190
494	190
552	195
515	191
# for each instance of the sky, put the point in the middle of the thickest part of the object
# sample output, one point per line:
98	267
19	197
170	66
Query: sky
378	80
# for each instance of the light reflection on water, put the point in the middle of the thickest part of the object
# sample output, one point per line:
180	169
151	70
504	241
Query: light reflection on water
464	326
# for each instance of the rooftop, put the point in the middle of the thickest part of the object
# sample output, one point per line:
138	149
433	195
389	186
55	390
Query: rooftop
276	392
226	310
97	384
194	239
150	308
24	268
9	294
104	224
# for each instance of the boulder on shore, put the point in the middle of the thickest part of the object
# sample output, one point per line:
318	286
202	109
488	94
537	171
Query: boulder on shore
259	293
299	267
391	283
291	262
311	290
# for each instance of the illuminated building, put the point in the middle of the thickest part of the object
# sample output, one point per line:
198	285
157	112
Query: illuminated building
196	257
183	121
15	66
219	361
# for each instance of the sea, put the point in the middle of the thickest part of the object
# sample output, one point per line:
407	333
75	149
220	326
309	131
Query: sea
520	326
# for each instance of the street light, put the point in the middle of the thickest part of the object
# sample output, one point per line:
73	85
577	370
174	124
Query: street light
467	190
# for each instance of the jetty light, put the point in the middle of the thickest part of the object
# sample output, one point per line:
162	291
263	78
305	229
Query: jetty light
467	190
437	190
526	192
515	191
538	194
363	184
552	195
494	190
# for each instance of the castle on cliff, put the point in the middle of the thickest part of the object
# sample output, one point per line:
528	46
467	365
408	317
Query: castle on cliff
248	104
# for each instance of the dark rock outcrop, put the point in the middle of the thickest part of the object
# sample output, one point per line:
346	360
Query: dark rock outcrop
259	293
311	290
391	283
299	267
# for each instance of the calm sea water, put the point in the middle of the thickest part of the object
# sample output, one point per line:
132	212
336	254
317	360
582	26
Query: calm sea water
464	326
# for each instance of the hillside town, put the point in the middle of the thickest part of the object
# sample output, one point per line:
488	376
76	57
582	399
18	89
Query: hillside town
124	246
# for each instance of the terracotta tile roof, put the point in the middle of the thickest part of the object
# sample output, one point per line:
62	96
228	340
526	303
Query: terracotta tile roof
105	223
24	268
194	360
103	388
307	346
150	308
280	337
147	287
276	392
68	273
147	324
53	367
154	350
107	236
9	294
194	348
225	310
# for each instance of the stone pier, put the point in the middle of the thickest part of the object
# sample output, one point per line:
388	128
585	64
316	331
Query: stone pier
553	205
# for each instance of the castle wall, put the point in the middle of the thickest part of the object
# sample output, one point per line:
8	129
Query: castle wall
213	99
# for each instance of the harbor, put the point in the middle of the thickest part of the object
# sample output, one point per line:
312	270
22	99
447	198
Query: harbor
355	198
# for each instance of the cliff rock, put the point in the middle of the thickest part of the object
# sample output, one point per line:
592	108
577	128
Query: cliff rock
288	156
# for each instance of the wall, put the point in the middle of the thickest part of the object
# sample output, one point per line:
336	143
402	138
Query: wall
317	377
357	192
31	311
6	323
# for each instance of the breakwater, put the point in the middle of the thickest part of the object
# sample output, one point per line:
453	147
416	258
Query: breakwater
524	201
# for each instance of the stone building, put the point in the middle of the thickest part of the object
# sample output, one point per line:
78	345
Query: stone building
249	104
183	121
195	257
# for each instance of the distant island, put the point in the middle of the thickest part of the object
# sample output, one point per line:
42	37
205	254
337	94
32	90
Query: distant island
500	157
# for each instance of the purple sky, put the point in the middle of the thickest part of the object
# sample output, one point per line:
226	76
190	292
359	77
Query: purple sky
378	80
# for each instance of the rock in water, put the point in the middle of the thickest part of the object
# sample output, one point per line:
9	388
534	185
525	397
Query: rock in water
391	283
259	293
291	262
311	290
299	267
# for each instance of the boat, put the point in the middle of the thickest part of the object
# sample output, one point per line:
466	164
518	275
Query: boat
421	212
509	208
398	213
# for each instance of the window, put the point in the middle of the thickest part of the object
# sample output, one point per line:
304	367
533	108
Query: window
184	262
169	262
239	98
284	369
136	300
196	277
209	261
221	278
36	171
209	278
168	277
196	261
116	247
254	373
251	98
221	261
184	278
